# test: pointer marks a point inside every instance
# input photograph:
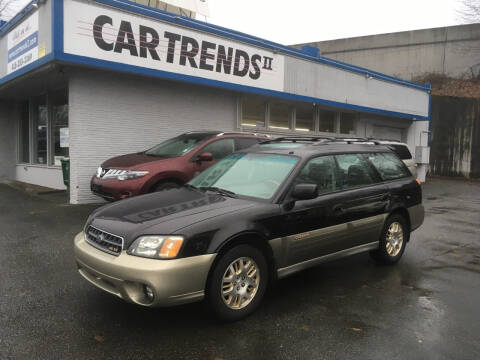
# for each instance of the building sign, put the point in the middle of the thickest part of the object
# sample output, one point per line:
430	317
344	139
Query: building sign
22	44
102	33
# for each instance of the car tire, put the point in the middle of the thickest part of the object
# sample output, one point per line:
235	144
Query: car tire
165	186
230	285
393	240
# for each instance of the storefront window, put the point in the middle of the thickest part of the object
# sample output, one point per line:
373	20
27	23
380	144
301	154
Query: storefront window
24	131
59	126
304	118
347	123
253	112
327	121
280	115
40	117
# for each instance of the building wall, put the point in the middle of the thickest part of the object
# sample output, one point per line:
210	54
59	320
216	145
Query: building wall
113	114
453	51
330	83
7	140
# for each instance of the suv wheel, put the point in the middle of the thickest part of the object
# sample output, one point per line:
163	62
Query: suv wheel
237	283
393	240
165	186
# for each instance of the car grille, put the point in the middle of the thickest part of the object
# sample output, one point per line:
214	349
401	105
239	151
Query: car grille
104	241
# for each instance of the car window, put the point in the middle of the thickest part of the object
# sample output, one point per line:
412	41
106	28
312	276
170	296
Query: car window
179	145
220	148
354	170
321	171
402	151
389	166
249	174
244	143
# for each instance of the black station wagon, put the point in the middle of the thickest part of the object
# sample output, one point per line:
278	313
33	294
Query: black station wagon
256	216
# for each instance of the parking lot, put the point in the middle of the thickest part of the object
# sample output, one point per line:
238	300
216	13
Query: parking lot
426	307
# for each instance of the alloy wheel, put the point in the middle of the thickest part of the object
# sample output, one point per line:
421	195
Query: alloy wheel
240	283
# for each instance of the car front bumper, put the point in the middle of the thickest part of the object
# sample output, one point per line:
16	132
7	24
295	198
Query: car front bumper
113	189
173	282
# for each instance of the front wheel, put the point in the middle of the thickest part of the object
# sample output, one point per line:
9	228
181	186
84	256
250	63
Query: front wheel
237	283
393	240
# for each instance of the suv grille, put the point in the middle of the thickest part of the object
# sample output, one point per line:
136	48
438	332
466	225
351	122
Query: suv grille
104	241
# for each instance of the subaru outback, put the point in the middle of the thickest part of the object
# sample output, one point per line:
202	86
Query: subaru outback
256	216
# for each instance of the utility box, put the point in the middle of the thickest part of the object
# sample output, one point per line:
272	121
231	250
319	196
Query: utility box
422	154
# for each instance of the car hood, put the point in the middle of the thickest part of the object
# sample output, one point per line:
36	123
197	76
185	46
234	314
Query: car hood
163	213
130	161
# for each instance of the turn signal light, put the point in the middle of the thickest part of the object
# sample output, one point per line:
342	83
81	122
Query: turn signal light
171	246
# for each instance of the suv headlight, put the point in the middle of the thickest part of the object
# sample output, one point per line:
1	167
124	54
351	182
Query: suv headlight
128	175
123	174
156	247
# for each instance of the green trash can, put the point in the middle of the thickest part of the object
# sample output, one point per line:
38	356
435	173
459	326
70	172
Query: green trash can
66	172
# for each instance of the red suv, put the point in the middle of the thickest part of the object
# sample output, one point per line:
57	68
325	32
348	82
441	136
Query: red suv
168	164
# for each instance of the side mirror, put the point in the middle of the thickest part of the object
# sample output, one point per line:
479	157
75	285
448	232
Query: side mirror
305	191
206	156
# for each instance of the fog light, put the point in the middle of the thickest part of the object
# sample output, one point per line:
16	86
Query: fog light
148	292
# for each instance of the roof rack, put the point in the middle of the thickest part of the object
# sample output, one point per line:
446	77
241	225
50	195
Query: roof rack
243	133
389	140
321	139
300	138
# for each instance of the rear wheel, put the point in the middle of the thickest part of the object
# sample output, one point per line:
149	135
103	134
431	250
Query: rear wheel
237	283
393	240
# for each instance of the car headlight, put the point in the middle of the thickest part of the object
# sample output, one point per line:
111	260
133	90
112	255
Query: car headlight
123	174
127	175
156	247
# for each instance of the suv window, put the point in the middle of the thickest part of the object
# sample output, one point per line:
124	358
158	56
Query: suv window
179	145
389	166
220	148
321	171
401	150
244	143
354	171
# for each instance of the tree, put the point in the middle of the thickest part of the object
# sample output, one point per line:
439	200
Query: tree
469	11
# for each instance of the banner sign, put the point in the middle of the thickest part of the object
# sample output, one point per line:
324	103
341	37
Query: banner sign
98	32
22	44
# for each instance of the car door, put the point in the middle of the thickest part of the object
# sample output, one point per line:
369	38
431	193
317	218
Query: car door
362	202
306	227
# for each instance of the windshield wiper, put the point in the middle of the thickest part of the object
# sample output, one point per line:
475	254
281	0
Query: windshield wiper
219	191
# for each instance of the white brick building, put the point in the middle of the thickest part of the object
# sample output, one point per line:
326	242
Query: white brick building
92	79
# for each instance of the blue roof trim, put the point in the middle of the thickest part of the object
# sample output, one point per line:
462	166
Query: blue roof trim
32	66
17	18
68	58
57	27
236	35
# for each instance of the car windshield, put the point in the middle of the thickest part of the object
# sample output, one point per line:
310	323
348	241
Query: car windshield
251	174
178	146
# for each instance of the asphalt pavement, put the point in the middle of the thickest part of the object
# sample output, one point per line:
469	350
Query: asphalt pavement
425	307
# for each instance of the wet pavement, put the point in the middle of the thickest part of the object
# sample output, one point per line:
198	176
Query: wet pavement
425	307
